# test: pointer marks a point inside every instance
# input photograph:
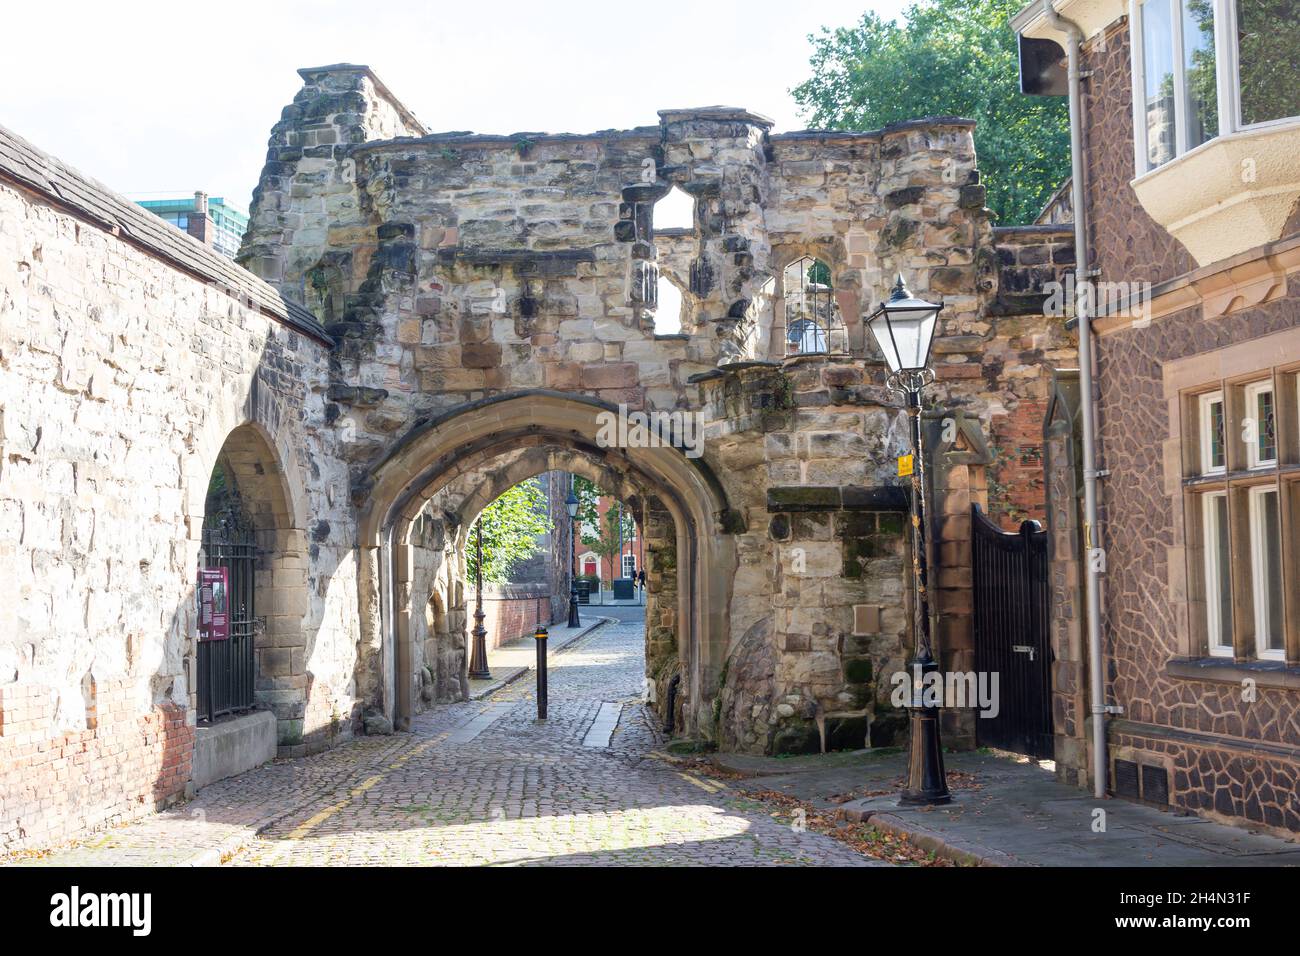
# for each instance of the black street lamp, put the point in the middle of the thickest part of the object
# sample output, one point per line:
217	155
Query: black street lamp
571	503
904	327
478	665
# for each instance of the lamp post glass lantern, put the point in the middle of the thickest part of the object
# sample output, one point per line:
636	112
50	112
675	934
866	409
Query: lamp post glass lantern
904	327
571	505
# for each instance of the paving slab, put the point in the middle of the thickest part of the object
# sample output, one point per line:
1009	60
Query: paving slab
1011	811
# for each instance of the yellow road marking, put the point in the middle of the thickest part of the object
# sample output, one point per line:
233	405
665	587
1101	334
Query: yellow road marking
706	786
316	820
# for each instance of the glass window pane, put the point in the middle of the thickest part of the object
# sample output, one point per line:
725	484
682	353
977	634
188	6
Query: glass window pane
1268	54
1215	453
1200	78
1266	532
1266	426
1158	66
1218	582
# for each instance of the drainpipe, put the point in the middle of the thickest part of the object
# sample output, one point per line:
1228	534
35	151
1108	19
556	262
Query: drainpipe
1092	585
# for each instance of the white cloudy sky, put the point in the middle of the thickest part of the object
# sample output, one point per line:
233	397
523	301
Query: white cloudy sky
169	97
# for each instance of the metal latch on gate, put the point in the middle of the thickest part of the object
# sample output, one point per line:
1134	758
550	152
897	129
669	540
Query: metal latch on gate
1024	649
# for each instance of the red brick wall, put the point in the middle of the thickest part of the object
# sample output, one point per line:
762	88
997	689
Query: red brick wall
57	785
507	619
1016	485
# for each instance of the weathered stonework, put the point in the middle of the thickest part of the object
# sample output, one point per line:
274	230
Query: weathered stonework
441	317
454	269
131	359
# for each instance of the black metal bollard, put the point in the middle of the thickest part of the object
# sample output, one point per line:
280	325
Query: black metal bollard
541	637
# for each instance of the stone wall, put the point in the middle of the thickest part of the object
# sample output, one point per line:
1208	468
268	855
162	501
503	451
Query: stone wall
1150	612
132	358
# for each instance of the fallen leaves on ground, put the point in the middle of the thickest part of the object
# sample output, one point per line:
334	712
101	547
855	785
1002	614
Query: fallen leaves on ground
862	837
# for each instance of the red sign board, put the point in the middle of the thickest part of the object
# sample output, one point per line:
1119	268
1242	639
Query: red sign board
214	604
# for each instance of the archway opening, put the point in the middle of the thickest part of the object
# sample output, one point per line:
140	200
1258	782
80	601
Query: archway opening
251	588
451	468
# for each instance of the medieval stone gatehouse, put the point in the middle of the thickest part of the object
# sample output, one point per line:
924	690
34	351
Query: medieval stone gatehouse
432	318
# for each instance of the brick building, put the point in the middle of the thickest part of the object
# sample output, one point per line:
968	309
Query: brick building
1191	133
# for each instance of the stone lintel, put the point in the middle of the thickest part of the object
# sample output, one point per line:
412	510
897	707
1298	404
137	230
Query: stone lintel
799	498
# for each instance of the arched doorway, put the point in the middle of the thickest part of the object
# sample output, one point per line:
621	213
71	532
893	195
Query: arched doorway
252	561
556	432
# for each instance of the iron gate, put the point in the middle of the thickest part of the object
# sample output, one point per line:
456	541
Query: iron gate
1011	633
226	668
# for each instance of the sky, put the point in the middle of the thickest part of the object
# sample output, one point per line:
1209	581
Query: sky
165	98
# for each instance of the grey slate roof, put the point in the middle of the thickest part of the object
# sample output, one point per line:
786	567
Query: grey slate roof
36	170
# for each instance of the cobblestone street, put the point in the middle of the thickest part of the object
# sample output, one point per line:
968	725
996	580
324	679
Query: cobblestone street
485	783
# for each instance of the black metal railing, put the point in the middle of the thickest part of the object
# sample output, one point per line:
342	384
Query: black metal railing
226	669
1010	577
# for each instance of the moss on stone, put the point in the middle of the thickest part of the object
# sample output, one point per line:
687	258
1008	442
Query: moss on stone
858	670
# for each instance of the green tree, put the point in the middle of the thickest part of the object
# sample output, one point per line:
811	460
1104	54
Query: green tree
949	57
605	541
511	525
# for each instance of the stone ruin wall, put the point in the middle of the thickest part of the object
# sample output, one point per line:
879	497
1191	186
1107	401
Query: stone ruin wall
454	266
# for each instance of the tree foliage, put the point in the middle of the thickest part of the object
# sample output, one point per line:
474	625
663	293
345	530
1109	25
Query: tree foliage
511	525
949	57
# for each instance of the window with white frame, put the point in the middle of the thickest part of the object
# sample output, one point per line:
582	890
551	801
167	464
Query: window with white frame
1260	426
1205	68
1242	491
1213	452
629	565
1266	572
1218	579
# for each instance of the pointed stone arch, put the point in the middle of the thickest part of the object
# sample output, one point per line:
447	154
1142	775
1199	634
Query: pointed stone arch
562	429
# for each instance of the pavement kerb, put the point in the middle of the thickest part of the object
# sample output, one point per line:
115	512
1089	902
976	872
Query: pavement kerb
959	851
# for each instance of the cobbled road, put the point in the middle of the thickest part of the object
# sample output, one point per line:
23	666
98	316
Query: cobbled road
485	782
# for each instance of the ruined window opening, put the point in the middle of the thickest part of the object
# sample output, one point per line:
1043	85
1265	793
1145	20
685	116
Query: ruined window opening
675	211
810	311
668	311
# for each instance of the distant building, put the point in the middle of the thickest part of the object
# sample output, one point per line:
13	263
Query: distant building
211	221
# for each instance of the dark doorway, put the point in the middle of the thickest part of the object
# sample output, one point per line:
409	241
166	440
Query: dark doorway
226	666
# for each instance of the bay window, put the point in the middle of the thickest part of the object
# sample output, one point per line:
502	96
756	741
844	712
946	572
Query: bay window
1204	68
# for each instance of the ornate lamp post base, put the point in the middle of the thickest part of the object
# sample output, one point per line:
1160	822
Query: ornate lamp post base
573	607
927	784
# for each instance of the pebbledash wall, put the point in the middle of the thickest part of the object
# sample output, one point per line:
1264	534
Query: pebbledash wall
443	316
128	355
